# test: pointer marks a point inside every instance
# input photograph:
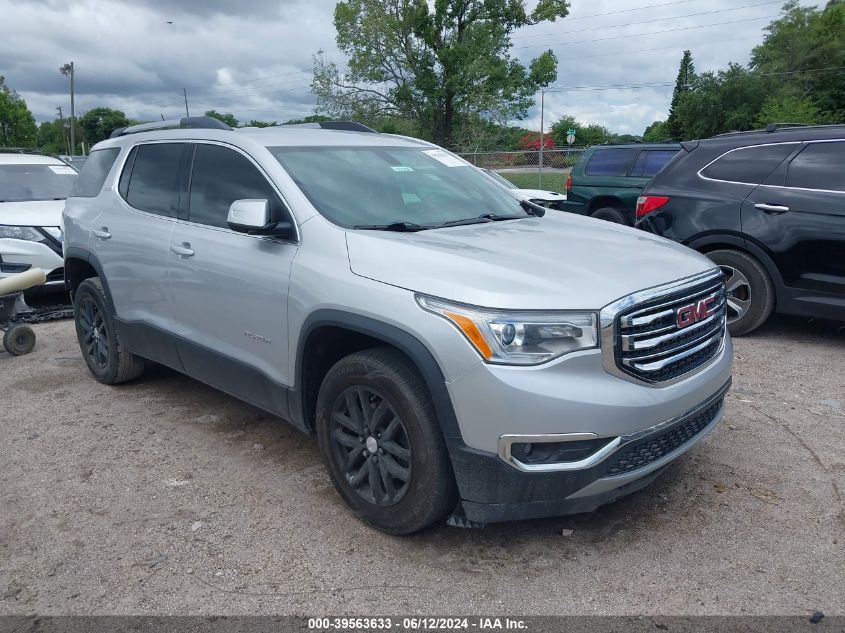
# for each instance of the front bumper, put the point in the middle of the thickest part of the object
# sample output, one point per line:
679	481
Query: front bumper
17	256
493	490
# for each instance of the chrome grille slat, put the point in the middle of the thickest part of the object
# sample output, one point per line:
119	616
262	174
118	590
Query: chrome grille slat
651	342
635	342
632	320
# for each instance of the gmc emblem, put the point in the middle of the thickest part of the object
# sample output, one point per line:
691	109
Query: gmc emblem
695	312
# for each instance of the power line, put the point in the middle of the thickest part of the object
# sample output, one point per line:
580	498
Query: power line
685	45
648	6
629	35
675	17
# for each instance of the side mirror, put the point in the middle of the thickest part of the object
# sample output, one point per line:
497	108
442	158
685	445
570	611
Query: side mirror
252	216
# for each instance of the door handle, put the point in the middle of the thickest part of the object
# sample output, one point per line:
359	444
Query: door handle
771	209
183	250
102	233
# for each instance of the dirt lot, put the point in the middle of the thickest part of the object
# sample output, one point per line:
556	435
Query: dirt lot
165	496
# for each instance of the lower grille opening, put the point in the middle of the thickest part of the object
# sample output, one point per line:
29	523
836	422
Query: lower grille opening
556	452
649	449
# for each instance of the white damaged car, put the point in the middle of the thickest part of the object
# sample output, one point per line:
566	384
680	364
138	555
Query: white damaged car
548	199
33	189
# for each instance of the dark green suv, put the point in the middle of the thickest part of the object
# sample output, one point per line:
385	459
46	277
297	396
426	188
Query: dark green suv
607	180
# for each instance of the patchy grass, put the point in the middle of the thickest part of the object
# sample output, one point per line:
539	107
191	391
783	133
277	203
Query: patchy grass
553	181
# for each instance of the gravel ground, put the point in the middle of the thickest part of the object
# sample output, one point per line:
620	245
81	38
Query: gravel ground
167	497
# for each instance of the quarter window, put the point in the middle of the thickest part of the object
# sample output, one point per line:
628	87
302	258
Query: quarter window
818	166
611	162
748	165
94	172
221	176
652	161
155	179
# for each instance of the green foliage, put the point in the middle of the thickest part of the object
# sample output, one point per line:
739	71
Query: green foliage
313	118
683	84
795	76
585	135
52	137
788	109
442	64
257	123
99	123
17	125
228	118
656	132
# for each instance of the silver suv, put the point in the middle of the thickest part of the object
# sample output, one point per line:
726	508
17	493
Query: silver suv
457	351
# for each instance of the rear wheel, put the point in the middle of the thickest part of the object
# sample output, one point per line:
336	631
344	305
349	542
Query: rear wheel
751	295
105	354
381	442
612	214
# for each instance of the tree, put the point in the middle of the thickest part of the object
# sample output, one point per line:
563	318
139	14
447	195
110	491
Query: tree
52	137
788	109
806	38
99	123
17	125
228	118
592	134
656	132
686	76
439	63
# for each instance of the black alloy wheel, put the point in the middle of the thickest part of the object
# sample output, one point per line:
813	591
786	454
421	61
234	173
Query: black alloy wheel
370	445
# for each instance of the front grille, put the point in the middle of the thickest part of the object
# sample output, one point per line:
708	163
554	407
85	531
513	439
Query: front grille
651	346
56	275
651	448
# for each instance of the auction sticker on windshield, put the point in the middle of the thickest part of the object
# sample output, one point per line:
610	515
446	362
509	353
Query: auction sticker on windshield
446	158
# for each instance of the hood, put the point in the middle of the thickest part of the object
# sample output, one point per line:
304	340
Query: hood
541	194
32	213
559	261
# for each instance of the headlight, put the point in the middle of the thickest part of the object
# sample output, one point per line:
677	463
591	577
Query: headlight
518	337
27	233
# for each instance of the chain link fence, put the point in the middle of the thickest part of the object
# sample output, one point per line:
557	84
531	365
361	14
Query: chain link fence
524	169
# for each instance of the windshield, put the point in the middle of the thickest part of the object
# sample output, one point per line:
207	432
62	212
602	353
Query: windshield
501	179
35	182
377	186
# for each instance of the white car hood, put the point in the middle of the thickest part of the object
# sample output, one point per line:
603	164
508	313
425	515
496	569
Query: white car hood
34	213
559	261
541	194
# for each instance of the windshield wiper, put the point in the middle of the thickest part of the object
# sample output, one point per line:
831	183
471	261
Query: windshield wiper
532	209
398	227
479	220
496	217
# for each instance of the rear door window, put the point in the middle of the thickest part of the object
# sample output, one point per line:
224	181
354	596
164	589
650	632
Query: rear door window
748	165
155	181
94	172
611	162
819	166
653	162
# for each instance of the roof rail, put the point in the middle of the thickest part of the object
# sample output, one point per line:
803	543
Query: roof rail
189	122
347	126
772	127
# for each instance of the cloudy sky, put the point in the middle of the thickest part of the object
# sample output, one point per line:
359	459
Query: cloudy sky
253	57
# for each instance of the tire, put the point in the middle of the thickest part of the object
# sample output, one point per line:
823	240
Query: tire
611	214
19	340
107	357
362	397
751	294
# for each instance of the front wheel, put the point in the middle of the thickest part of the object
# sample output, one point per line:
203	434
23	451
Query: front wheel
381	442
750	293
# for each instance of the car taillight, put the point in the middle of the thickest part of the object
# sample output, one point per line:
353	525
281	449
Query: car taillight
647	204
569	182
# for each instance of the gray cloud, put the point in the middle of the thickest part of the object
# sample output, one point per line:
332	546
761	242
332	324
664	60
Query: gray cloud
253	57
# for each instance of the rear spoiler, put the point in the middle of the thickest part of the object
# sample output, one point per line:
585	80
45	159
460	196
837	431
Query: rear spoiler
689	145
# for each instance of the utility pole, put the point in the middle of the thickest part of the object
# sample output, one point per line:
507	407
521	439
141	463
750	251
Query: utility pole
67	70
185	92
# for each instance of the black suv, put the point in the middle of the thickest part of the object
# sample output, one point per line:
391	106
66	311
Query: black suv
768	207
